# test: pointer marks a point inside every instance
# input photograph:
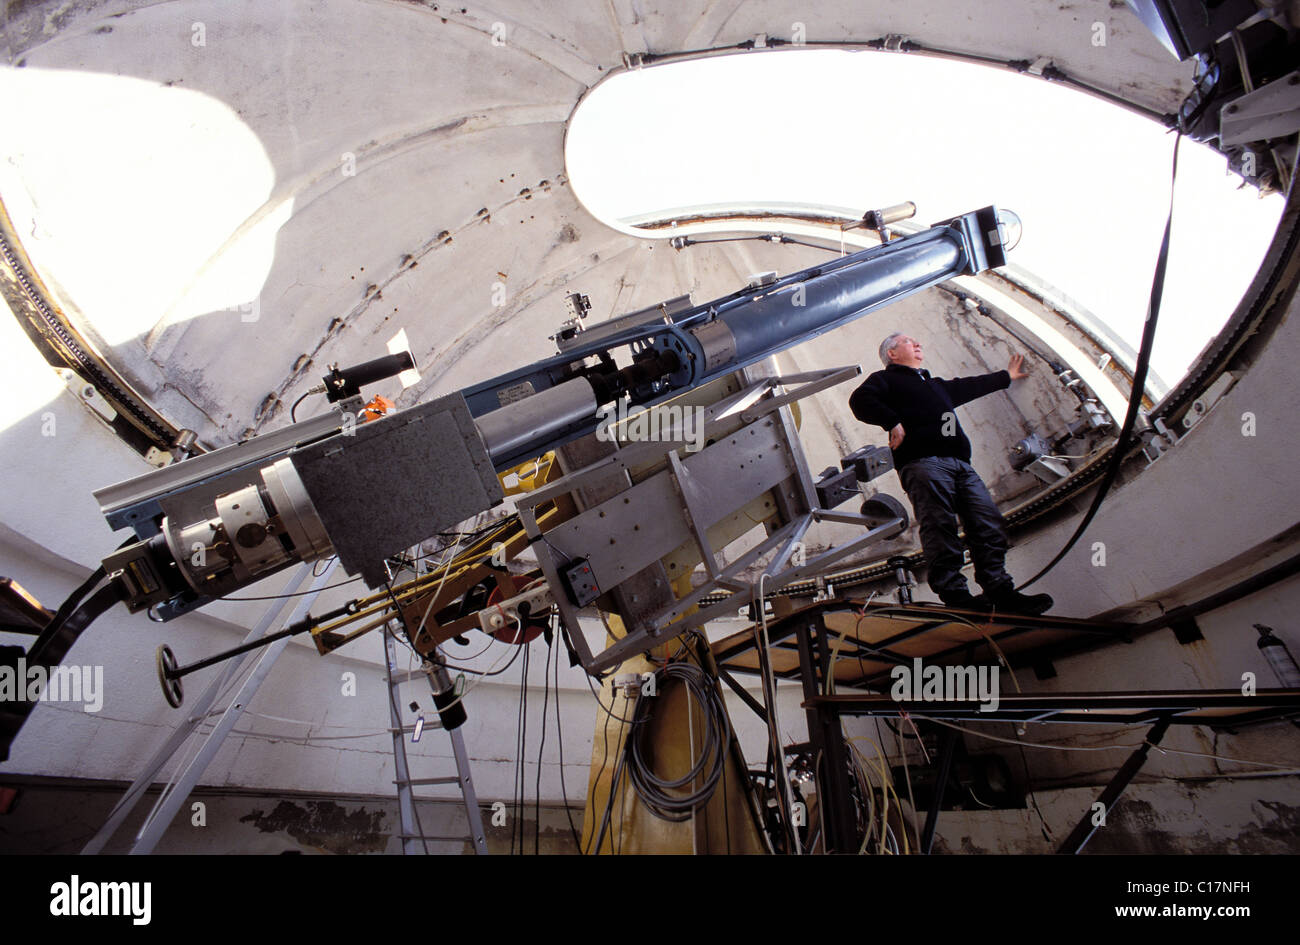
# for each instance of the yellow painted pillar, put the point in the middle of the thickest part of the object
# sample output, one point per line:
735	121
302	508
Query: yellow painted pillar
724	824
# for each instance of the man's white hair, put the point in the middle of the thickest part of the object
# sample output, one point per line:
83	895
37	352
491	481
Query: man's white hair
888	345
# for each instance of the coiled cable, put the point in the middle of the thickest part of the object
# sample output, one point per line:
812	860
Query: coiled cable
663	795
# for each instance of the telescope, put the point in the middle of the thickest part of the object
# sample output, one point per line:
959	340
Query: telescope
331	485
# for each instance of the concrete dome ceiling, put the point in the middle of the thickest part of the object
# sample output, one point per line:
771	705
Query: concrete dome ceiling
227	197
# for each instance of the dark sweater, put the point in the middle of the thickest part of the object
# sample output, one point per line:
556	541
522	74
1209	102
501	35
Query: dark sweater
912	397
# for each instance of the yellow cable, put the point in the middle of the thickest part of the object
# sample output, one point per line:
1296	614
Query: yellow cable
888	787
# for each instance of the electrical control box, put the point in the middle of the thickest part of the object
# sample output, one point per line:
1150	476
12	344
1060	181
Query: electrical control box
579	582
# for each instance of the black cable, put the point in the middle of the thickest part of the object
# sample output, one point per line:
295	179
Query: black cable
72	601
614	783
295	593
702	643
514	784
620	825
769	788
660	794
69	606
85	587
606	817
609	712
53	643
857	648
726	801
596	780
523	751
460	537
559	735
293	411
474	656
48	650
495	672
1139	381
516	828
537	793
409	642
490	526
406	632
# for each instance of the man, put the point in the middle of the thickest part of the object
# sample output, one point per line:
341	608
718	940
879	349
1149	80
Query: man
932	456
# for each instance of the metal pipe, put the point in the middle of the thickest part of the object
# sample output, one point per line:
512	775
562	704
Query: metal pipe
726	334
887	215
1087	826
947	748
769	323
537	417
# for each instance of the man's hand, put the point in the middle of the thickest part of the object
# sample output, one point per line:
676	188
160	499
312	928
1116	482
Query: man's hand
896	437
1016	367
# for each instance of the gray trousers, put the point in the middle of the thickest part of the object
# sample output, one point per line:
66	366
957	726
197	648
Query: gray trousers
944	491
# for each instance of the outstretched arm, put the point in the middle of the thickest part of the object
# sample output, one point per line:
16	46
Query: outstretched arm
962	390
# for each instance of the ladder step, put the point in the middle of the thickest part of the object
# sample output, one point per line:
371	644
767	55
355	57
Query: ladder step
404	785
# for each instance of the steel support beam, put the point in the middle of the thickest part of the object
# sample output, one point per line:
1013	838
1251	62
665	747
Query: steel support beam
1087	826
947	748
826	735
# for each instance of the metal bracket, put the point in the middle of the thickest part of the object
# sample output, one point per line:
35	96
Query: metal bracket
1262	115
636	527
1158	440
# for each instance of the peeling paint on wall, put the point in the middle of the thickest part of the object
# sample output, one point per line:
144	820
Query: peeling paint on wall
326	825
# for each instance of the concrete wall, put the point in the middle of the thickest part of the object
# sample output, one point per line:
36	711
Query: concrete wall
1234	816
55	816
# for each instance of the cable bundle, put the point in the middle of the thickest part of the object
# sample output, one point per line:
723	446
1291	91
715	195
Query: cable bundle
661	795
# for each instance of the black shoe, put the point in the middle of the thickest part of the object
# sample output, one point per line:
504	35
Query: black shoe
1010	601
960	600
